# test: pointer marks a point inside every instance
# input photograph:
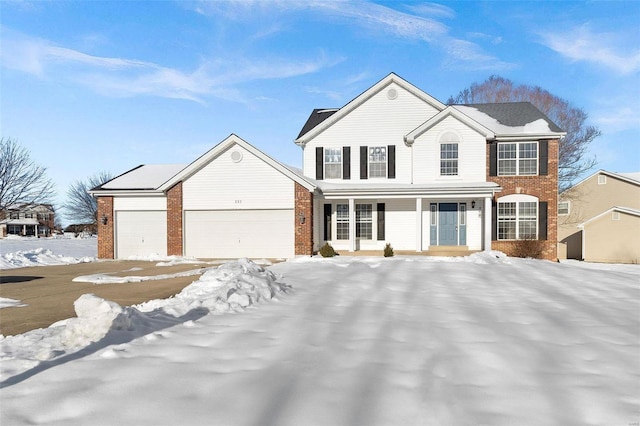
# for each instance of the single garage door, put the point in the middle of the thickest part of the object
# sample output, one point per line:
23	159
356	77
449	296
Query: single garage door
239	233
141	233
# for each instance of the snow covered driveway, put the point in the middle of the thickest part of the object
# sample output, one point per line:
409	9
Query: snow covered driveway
374	341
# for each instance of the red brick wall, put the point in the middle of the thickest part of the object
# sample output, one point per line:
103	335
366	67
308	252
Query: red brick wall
174	220
303	232
545	188
105	231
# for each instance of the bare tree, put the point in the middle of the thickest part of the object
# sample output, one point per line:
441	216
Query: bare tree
81	207
21	180
573	160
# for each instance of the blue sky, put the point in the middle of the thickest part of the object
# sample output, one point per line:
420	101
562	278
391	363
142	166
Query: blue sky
105	86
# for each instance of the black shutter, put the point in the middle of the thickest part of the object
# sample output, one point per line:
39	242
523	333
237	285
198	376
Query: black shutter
391	162
346	162
542	220
364	162
380	221
494	221
319	162
327	222
493	159
543	148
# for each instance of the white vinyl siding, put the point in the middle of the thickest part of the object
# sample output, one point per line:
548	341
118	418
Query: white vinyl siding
235	234
139	203
140	233
379	121
472	153
245	185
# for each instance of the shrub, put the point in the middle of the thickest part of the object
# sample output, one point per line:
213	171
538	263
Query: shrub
388	250
327	251
528	248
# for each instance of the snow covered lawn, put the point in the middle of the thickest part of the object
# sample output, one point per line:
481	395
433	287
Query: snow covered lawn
373	341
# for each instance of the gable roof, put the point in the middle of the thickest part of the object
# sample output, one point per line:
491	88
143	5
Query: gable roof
158	178
632	178
450	111
313	130
214	152
627	210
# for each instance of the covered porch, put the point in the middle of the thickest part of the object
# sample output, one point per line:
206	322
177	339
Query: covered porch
429	219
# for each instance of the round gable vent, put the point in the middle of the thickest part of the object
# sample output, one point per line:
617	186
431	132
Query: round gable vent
236	156
392	93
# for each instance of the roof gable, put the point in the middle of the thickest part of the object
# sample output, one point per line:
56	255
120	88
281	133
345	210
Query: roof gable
217	150
447	112
632	178
313	128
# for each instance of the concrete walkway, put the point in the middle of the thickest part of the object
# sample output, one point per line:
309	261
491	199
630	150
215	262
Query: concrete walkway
49	291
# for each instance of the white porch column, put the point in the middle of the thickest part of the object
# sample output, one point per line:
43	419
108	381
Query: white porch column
352	225
418	225
487	223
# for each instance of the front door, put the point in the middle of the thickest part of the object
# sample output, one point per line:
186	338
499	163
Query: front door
448	224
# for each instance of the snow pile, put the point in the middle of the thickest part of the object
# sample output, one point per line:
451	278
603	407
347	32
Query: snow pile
38	257
232	287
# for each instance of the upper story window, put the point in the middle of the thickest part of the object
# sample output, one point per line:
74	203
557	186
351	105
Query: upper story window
449	159
378	161
563	207
28	215
449	154
333	163
14	215
518	158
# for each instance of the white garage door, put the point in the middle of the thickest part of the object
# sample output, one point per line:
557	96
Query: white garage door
141	233
239	233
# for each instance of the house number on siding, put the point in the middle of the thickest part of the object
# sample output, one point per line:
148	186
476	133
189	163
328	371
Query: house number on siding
238	201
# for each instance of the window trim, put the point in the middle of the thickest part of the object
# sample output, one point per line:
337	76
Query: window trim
517	159
517	200
364	221
338	163
342	220
370	163
455	160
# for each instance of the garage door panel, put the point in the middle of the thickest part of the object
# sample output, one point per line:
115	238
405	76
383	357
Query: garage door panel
239	233
141	233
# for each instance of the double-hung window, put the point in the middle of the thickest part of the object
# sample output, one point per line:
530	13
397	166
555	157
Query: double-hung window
333	163
364	221
14	215
342	221
378	161
518	158
517	220
449	159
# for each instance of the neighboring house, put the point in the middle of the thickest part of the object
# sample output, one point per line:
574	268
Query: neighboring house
28	220
394	165
593	214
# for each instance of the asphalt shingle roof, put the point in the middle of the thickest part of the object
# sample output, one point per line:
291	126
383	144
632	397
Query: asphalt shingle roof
514	114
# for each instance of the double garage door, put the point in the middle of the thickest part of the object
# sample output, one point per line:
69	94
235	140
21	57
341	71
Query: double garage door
239	233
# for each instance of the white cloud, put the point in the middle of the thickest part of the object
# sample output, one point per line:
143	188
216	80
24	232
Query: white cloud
614	51
375	17
119	77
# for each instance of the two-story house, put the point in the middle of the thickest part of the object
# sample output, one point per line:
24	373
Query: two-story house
28	220
599	218
394	165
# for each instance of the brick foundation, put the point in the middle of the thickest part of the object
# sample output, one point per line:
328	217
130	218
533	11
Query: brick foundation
105	231
545	188
303	231
174	220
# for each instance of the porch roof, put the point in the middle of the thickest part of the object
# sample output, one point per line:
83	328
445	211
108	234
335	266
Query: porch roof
29	222
444	189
